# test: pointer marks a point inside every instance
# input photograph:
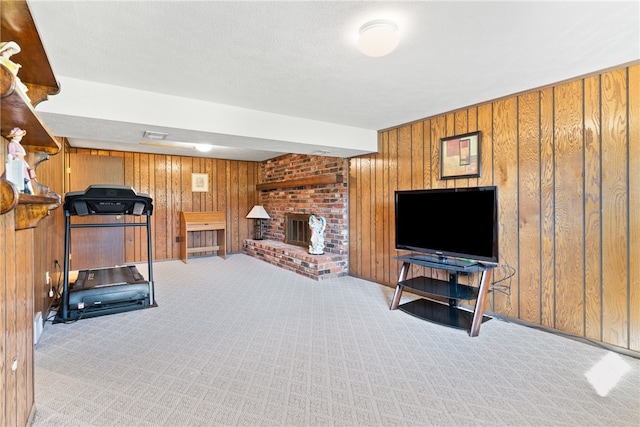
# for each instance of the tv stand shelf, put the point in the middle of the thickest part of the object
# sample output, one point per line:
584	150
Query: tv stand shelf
439	311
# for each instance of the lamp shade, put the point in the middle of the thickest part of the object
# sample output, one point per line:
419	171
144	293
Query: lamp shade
378	37
258	212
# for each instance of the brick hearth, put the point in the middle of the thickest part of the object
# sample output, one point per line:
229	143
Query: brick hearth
297	259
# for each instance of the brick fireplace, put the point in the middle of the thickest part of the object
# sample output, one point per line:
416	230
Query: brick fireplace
304	185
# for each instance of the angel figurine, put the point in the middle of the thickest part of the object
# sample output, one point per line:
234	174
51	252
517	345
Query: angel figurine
317	225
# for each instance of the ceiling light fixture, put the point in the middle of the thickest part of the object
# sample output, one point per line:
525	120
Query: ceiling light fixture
203	148
378	37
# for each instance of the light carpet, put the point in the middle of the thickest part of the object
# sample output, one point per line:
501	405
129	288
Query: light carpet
241	342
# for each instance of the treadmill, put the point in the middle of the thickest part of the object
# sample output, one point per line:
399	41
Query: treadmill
101	291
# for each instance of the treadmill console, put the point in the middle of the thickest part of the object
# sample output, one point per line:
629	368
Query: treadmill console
107	200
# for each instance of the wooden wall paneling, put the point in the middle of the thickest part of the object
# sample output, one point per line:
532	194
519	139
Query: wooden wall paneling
529	206
394	266
438	131
4	326
485	125
378	224
472	126
11	332
387	250
404	168
211	237
234	204
592	209
243	185
417	156
160	207
506	177
354	216
634	207
196	206
185	201
426	153
366	225
569	196
615	213
221	196
24	321
547	200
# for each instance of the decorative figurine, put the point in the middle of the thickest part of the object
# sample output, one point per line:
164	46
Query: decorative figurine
317	225
7	49
16	154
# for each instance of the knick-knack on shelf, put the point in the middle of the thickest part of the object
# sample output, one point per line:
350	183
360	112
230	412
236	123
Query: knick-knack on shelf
18	170
7	49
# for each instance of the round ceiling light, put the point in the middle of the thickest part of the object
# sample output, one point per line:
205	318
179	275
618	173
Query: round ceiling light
378	37
203	148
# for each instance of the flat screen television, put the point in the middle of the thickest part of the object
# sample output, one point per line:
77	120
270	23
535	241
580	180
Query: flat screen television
458	223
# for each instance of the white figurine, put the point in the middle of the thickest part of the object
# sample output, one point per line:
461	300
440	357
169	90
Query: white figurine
7	49
317	225
17	153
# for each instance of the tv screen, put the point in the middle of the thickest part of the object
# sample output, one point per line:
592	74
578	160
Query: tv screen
451	222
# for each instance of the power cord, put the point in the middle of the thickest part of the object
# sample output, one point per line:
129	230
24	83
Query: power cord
505	272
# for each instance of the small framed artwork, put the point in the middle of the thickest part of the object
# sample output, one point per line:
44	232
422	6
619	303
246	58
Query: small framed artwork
199	182
460	156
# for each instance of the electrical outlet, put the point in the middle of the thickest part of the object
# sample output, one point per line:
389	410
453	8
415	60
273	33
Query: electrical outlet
47	278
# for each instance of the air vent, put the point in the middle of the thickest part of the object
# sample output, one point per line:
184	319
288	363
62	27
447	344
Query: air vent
156	136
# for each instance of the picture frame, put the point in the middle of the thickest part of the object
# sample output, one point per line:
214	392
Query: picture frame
199	182
460	156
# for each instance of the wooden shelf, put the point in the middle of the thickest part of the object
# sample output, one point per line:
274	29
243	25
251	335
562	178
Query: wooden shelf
18	112
30	208
302	182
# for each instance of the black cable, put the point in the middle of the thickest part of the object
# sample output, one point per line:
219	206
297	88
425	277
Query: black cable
507	273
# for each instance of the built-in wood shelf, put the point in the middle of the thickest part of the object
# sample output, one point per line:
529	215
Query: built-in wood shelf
302	182
18	112
29	208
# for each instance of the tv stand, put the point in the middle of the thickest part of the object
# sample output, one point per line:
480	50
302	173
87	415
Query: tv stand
444	309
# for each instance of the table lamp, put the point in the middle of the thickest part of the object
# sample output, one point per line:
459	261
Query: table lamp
258	213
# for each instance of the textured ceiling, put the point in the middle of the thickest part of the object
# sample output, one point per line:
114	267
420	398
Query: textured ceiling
299	59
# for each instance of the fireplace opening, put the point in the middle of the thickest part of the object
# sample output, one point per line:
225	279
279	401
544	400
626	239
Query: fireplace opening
296	229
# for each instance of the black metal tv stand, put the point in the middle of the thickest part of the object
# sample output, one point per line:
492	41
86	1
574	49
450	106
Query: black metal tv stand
438	311
100	291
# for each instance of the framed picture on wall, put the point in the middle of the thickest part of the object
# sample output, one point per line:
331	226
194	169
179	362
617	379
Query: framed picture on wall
460	156
199	182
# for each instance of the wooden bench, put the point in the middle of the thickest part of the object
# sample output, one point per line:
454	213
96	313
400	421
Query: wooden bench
202	221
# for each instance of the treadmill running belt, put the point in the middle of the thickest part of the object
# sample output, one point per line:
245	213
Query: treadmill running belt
107	277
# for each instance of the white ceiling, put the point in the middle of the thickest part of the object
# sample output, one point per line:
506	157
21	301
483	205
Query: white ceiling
275	77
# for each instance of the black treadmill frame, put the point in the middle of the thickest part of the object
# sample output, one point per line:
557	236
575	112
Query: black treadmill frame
64	314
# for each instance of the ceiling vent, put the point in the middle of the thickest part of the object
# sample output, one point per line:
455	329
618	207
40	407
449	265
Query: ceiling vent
156	136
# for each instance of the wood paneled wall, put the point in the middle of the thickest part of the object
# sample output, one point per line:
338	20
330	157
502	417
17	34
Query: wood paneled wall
49	235
167	179
566	160
16	319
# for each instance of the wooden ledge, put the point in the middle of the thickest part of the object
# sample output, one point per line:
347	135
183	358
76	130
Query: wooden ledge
302	182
